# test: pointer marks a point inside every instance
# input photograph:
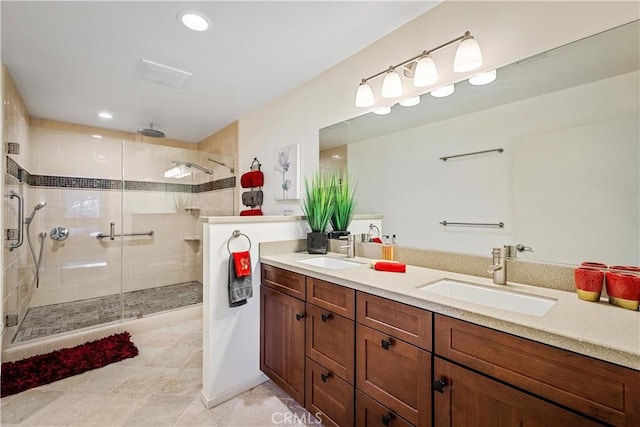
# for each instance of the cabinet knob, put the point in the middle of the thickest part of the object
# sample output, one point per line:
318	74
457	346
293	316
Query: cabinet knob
386	343
326	316
439	385
386	418
326	376
300	316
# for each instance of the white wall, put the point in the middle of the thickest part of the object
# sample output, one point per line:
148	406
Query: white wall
551	168
507	31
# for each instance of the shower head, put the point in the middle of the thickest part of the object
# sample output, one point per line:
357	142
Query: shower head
151	132
222	164
36	208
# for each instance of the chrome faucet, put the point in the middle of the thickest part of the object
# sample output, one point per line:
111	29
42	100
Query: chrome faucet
499	267
350	246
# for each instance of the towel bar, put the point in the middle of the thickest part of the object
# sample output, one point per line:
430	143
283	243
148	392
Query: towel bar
473	224
235	234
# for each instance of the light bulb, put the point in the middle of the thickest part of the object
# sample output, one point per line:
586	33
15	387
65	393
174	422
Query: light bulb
468	56
391	85
410	102
483	79
426	72
364	95
443	91
195	21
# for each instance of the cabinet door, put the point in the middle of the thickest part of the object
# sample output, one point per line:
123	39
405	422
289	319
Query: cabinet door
370	413
329	397
284	281
282	329
394	373
331	341
469	399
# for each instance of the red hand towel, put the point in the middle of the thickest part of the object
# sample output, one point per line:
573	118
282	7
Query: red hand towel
251	212
252	179
396	267
242	261
376	240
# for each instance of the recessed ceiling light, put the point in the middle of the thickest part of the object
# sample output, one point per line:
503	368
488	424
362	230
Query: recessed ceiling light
105	115
195	21
96	136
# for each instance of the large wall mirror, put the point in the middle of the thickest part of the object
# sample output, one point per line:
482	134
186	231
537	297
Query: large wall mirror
565	182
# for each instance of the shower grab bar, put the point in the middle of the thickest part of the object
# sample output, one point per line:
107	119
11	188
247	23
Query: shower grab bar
112	235
14	195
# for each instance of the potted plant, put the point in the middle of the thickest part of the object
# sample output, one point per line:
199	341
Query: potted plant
344	204
318	207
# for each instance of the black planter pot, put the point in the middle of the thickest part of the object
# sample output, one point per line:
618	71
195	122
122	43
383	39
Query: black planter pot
338	234
317	243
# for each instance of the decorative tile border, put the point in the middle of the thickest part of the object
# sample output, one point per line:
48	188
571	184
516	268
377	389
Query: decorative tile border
21	174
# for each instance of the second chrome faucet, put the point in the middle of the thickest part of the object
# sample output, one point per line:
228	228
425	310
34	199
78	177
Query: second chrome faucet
499	266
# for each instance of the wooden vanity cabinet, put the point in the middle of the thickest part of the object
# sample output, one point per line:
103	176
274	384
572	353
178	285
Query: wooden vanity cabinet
393	365
595	388
370	413
468	399
282	331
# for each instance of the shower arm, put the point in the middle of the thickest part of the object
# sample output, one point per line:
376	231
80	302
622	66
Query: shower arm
193	165
221	164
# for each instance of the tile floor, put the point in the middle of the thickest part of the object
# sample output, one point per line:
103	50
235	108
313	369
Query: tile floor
56	318
159	387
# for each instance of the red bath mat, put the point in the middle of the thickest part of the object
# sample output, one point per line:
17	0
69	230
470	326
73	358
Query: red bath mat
34	371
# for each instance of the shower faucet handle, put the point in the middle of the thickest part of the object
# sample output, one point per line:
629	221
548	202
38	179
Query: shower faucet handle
112	231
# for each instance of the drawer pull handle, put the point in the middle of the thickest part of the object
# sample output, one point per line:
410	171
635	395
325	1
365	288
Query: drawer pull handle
439	385
386	419
325	377
386	343
326	316
300	316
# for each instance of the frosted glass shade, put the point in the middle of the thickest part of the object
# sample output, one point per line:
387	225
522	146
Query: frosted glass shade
483	79
468	56
364	96
443	91
391	85
426	72
410	102
382	111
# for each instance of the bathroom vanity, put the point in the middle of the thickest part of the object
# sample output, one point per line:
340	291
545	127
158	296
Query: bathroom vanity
366	348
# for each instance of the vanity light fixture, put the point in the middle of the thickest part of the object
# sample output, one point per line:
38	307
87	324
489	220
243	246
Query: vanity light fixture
179	171
410	102
443	91
194	21
483	78
422	69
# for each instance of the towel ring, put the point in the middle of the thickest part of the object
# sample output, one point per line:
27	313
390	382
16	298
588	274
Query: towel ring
255	166
235	234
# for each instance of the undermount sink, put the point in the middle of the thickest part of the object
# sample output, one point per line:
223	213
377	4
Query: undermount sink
491	297
330	263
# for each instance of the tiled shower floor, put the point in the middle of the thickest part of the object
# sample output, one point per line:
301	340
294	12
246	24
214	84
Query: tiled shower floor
56	318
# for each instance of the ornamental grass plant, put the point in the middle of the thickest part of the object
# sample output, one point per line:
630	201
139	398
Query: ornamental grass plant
318	204
343	201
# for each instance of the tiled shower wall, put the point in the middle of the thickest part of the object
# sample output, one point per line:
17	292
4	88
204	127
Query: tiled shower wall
80	178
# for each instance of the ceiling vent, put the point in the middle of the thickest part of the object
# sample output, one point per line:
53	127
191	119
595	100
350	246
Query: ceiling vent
162	74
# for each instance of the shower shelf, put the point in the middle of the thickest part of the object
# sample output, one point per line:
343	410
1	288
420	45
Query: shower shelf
191	208
192	238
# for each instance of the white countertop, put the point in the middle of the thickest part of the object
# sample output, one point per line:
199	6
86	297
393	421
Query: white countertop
599	330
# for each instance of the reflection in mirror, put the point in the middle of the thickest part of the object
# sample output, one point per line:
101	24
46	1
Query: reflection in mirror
567	183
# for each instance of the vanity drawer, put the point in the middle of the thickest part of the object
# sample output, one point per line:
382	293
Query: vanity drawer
331	341
410	324
607	392
396	374
339	299
330	395
285	281
370	413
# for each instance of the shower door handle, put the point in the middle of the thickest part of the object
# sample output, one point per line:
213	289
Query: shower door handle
112	231
14	195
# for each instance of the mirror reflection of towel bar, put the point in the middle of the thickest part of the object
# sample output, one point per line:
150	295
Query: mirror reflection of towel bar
499	150
473	224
